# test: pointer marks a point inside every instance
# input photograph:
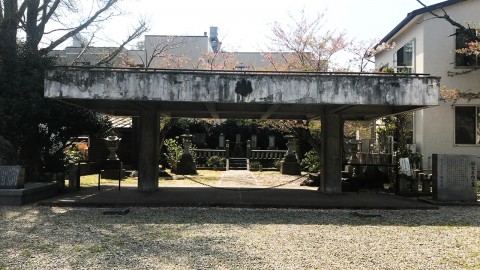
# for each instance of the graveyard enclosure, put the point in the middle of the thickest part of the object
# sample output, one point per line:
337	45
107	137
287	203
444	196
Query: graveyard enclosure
330	97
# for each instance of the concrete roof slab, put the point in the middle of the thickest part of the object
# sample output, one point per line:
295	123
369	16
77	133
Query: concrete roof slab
241	94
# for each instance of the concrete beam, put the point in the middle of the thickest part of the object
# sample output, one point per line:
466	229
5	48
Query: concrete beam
211	109
268	88
270	111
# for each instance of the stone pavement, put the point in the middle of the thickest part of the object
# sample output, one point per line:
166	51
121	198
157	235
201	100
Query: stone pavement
238	178
235	189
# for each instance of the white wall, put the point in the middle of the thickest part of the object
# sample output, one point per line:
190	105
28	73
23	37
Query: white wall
434	127
439	124
415	31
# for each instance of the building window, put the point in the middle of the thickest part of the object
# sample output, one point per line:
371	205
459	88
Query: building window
467	120
405	58
462	38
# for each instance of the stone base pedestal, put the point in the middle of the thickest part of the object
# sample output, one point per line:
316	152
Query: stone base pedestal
30	193
112	169
74	177
403	183
186	165
290	166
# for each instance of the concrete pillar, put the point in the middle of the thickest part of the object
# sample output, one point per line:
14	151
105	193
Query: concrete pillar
148	152
332	140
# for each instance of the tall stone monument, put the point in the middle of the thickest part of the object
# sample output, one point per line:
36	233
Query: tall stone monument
454	177
186	165
290	165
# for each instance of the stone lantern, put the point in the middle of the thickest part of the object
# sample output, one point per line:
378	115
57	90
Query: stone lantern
187	142
112	168
290	165
186	165
112	142
353	161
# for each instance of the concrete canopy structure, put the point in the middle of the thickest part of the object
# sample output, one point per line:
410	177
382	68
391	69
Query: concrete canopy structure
331	97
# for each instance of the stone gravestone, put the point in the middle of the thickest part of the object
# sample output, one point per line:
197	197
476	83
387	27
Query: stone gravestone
12	177
454	177
271	142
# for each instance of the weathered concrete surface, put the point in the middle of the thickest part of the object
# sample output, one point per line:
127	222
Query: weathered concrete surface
344	93
149	151
331	171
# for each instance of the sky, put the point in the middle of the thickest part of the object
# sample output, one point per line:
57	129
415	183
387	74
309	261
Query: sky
244	25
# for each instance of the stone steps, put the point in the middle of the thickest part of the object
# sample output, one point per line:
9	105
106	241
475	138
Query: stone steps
238	163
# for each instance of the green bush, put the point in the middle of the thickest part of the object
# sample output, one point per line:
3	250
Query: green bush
255	165
216	161
73	155
277	163
312	162
174	152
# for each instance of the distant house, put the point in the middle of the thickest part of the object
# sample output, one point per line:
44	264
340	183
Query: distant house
171	51
425	44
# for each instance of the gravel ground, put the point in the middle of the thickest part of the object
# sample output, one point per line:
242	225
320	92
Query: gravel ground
218	238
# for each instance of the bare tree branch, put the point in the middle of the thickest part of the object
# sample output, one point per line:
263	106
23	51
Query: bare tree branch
83	50
108	4
141	28
445	16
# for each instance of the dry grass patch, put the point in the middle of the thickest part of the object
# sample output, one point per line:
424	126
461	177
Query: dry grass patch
92	181
203	176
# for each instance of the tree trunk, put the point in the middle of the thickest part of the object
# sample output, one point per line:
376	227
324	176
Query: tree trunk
8	42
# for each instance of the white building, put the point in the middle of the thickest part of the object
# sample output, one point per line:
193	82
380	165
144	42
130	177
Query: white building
425	44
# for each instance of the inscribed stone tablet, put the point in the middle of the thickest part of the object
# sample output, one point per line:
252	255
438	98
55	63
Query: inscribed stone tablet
12	177
454	177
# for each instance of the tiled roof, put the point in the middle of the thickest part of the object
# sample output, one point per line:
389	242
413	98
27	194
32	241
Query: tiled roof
120	121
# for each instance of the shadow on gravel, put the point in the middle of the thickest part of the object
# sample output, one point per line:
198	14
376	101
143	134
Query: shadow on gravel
251	206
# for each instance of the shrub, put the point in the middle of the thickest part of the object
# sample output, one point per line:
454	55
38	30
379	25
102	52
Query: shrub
255	165
216	161
174	152
277	163
74	155
312	162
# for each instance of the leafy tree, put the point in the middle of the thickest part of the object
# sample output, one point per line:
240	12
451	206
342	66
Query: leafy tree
305	45
362	52
40	128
